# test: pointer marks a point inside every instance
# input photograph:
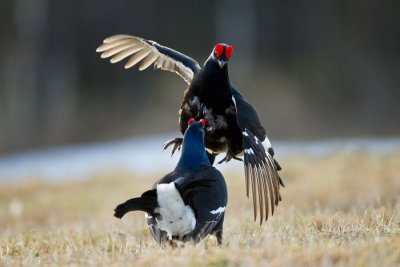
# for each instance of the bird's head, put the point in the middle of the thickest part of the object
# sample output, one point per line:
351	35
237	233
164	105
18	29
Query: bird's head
193	150
196	127
221	54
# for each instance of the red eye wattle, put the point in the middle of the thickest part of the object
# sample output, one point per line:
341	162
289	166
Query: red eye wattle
228	52
202	121
219	49
190	121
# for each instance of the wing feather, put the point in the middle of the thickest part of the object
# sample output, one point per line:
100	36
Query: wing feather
261	193
148	61
137	58
116	38
137	49
108	46
261	171
247	174
254	192
116	50
125	53
265	196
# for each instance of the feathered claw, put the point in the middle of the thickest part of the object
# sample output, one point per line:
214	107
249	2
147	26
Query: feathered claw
229	155
177	142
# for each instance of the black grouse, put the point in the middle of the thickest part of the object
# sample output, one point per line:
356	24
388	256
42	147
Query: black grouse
233	125
188	203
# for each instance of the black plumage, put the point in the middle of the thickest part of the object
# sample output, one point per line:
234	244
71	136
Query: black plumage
233	125
188	203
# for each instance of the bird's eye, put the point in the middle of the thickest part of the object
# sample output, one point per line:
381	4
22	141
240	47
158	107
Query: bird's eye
202	121
219	49
228	51
190	121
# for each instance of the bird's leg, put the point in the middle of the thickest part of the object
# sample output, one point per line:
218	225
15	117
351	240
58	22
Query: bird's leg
177	142
218	234
236	158
229	155
172	243
218	231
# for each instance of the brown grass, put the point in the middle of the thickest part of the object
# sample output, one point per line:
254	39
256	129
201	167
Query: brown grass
337	210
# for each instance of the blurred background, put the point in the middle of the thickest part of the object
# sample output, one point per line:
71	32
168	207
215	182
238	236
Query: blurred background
79	135
318	70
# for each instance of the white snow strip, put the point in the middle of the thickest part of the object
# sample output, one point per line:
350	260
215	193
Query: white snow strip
137	156
234	100
245	133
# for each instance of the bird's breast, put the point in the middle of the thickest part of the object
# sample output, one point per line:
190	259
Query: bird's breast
213	90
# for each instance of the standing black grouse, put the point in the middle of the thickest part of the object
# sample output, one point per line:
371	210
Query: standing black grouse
188	203
233	125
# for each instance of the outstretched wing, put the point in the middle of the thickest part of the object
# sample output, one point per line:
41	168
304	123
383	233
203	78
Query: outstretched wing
261	170
148	52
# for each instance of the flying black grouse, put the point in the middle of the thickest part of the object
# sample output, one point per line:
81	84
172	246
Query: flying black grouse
233	125
188	203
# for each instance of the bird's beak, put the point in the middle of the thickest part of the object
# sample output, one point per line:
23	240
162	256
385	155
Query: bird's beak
221	63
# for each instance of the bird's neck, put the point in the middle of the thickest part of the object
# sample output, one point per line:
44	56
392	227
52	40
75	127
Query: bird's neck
212	83
193	155
215	73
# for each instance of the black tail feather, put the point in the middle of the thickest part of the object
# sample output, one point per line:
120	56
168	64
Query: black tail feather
147	203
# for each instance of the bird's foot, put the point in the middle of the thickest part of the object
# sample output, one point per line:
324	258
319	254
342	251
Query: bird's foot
228	157
177	142
172	244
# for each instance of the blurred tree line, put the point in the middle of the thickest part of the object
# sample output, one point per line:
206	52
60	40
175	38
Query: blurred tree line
313	70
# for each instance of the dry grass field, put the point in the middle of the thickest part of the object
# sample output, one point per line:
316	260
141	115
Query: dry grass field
337	210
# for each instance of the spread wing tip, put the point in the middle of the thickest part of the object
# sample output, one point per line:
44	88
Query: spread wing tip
137	49
263	176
